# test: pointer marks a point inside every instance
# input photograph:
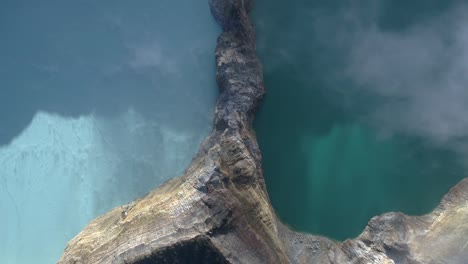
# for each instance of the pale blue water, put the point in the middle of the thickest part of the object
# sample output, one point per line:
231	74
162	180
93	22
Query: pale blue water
100	102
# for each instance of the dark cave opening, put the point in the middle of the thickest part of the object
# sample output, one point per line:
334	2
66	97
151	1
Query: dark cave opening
195	251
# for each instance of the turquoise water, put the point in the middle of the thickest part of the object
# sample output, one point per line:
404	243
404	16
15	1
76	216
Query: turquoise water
100	102
365	110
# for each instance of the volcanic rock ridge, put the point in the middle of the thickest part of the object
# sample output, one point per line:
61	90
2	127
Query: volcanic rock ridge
218	211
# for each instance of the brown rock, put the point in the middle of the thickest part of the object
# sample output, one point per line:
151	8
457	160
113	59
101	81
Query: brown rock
219	211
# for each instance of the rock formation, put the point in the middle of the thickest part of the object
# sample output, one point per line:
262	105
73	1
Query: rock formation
219	211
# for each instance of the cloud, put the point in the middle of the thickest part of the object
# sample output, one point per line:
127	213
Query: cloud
151	55
146	56
419	74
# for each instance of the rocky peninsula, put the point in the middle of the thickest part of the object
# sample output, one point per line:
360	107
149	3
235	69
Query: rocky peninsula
219	210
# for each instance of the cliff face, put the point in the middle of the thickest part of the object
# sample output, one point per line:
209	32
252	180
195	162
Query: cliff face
219	211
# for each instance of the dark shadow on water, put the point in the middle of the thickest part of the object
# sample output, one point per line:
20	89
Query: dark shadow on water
280	134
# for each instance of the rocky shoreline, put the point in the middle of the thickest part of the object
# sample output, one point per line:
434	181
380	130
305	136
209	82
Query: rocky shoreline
219	210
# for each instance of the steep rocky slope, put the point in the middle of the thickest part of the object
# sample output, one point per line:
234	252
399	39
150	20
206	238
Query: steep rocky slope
219	211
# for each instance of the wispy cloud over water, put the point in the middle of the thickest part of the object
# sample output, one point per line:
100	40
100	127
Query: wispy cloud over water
418	73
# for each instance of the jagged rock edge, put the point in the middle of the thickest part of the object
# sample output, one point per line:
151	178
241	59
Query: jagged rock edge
220	205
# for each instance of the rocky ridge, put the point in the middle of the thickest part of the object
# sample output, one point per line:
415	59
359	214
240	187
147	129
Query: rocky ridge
219	210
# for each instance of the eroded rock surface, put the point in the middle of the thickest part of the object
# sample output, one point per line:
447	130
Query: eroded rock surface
219	211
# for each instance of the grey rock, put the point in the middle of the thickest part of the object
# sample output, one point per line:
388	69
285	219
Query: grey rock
219	210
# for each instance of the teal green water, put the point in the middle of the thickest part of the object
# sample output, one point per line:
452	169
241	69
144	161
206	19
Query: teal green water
329	165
